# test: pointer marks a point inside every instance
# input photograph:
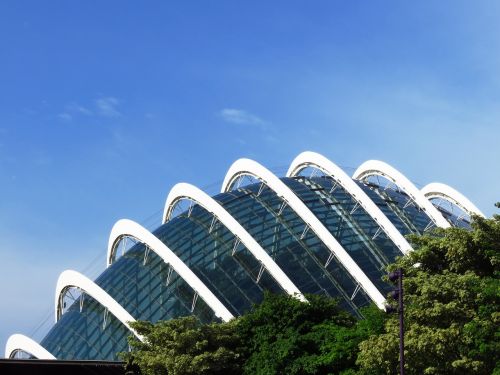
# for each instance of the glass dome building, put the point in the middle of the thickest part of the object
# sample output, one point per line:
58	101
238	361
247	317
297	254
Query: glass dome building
315	230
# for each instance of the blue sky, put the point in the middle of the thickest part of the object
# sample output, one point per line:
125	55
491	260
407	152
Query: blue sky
104	106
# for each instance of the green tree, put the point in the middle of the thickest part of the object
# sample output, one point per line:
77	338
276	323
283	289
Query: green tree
451	306
184	346
281	335
286	336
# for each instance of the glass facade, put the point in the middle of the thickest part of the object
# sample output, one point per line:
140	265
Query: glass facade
214	254
87	333
297	250
149	289
401	204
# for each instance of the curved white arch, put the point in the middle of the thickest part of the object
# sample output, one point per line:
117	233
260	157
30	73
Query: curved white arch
376	167
308	159
188	191
70	278
249	167
439	190
118	232
126	227
21	342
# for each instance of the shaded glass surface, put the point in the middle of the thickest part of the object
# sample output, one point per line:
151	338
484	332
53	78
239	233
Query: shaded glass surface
90	334
140	282
397	218
414	219
349	223
299	252
455	216
222	262
401	204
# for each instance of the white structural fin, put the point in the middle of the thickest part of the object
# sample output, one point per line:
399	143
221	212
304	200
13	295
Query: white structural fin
439	190
379	168
19	342
129	228
70	278
315	160
249	167
188	191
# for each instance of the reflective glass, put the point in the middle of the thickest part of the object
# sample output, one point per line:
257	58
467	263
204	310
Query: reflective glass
401	223
221	261
92	333
413	216
455	216
349	223
149	289
299	253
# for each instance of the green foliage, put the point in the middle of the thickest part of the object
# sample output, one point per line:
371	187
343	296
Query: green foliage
451	306
282	335
184	346
286	336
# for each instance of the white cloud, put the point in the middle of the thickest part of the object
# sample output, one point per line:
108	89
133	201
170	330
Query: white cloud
104	107
65	116
77	108
239	116
73	110
108	106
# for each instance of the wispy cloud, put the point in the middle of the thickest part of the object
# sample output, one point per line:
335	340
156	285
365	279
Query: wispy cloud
80	109
65	116
108	106
239	116
72	110
104	107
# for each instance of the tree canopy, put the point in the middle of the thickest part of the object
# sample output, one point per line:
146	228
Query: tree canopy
184	346
281	335
451	300
286	336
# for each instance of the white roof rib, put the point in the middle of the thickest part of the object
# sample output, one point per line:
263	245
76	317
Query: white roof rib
70	278
188	191
126	228
18	342
379	168
249	167
315	160
439	190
